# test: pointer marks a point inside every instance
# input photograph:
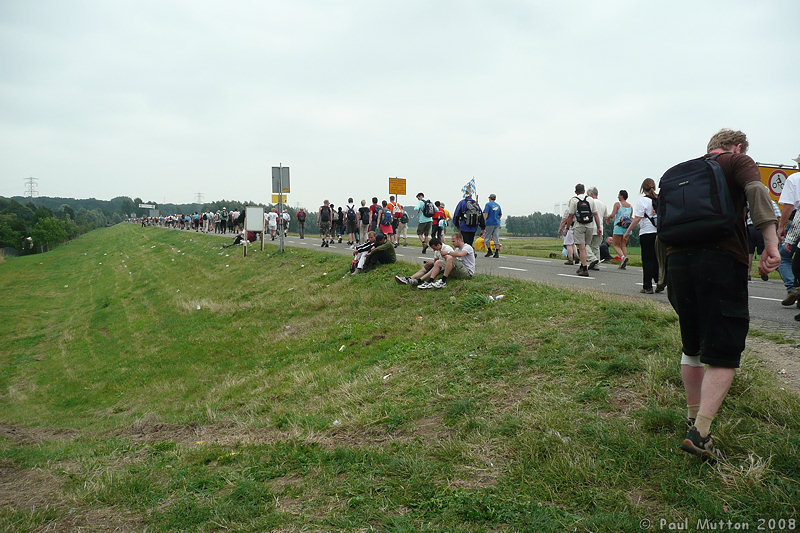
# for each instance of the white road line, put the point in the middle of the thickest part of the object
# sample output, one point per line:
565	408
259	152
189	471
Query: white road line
574	276
770	299
538	260
511	268
423	258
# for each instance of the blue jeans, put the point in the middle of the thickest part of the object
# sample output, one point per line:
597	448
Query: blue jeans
785	268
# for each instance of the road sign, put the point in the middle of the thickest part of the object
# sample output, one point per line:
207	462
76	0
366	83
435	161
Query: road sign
774	176
397	186
146	206
276	198
280	179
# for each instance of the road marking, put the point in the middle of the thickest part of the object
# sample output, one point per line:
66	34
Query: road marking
538	260
423	258
770	299
511	268
574	276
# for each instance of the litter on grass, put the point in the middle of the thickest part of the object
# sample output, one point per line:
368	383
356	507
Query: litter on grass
337	422
341	348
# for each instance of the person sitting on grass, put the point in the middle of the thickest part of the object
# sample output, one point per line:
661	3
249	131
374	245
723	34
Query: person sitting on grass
424	273
360	252
458	264
381	254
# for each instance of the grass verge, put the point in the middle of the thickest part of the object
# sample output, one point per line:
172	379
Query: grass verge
152	380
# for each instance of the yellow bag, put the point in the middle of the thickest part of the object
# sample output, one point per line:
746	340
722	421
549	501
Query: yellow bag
479	245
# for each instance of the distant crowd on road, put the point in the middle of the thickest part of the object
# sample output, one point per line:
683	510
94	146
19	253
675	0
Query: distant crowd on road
222	221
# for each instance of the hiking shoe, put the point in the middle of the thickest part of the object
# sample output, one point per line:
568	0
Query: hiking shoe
624	263
593	265
569	262
425	285
660	288
488	253
646	291
583	271
402	280
413	281
765	277
699	446
323	244
424	247
496	254
791	297
439	284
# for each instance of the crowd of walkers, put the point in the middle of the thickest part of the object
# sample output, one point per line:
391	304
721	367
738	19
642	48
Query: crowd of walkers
222	221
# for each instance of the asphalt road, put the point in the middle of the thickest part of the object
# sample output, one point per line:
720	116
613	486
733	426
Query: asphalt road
766	310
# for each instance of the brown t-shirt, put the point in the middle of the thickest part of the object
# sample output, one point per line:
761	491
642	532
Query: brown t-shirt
739	169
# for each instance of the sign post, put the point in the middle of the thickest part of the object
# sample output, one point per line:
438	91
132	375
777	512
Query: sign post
280	185
253	221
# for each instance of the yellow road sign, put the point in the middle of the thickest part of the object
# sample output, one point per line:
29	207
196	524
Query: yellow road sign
397	186
774	176
276	198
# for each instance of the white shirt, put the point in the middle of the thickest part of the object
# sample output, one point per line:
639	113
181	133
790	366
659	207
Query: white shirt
602	210
468	260
272	219
645	205
791	191
286	217
437	254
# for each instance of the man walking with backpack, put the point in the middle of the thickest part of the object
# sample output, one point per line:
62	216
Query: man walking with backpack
701	220
467	218
425	211
351	219
324	221
301	223
587	224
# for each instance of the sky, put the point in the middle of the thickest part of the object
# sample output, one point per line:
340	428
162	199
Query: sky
170	99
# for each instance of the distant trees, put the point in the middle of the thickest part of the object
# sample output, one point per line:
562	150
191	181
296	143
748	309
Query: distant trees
49	222
535	225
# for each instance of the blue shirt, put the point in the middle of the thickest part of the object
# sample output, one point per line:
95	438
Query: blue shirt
493	212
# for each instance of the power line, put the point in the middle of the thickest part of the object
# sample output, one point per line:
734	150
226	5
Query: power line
199	197
31	189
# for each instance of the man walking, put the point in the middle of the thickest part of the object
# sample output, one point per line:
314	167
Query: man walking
593	250
324	221
492	215
425	211
301	223
707	282
583	211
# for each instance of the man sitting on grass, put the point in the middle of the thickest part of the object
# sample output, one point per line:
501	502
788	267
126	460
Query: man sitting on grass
424	274
458	264
381	254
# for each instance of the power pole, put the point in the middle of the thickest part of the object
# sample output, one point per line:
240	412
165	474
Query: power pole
199	198
31	187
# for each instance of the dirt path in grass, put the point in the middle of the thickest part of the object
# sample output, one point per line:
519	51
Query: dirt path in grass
782	359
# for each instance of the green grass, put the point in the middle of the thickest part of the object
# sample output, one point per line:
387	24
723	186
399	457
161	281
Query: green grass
300	399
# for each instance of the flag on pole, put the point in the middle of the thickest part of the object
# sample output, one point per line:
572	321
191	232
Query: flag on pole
469	189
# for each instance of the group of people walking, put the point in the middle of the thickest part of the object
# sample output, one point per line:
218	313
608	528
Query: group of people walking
220	221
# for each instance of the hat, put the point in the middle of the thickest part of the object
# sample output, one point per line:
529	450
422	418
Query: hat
797	159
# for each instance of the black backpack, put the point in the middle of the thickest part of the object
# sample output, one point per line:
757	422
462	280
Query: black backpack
351	214
694	203
326	214
583	211
301	216
365	215
428	209
472	213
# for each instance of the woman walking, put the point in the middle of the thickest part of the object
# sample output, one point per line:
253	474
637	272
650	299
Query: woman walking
645	213
621	214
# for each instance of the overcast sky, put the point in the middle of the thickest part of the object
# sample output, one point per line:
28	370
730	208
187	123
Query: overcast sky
167	99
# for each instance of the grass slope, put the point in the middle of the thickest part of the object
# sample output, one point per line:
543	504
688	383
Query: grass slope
150	380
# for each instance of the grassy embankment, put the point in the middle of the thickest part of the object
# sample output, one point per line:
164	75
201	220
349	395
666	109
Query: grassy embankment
149	382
